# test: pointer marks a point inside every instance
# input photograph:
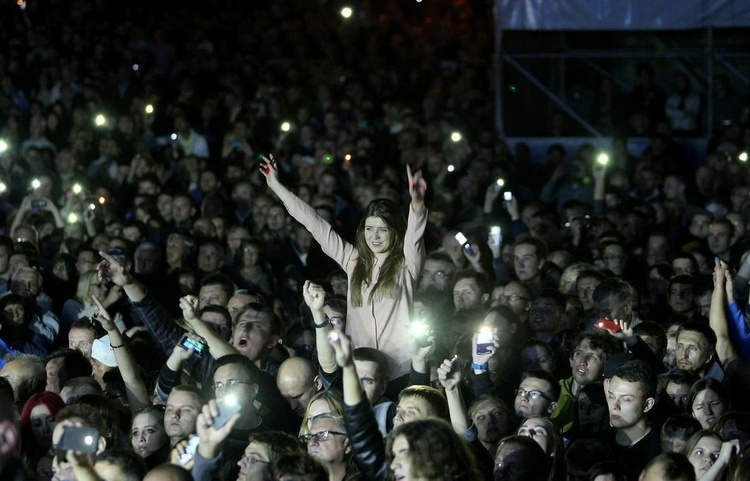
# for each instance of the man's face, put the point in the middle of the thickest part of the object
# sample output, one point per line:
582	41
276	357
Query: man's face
334	448
678	393
683	266
491	420
212	295
26	284
614	258
235	238
255	463
297	390
86	261
437	275
526	262
514	296
209	258
692	352
253	336
82	340
627	403
232	379
525	405
719	239
613	307
53	378
411	408
219	324
466	295
545	316
276	218
587	363
585	289
699	226
13	371
182	209
180	415
236	303
681	298
371	380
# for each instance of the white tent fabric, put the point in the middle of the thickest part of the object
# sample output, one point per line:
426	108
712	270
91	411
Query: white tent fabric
621	14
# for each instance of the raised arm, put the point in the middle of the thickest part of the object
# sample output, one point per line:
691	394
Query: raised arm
449	374
315	298
414	251
332	244
217	346
135	388
717	316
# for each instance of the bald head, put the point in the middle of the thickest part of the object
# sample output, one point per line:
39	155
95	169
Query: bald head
26	375
297	382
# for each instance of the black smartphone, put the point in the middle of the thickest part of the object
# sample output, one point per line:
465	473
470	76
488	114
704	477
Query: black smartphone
227	408
81	439
38	203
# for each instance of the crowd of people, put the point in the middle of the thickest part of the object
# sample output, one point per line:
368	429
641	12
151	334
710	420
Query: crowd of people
273	242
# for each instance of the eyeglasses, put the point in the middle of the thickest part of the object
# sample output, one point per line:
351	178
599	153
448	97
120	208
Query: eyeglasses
252	459
319	437
535	395
220	386
435	274
511	298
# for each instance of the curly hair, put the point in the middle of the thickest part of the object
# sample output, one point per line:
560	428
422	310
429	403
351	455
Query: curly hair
436	452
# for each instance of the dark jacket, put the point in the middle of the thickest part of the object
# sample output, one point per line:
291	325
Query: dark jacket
367	443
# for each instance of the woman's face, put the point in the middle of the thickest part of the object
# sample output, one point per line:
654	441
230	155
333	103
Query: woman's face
97	288
147	434
401	461
590	412
535	357
707	407
704	454
536	430
42	425
378	236
316	408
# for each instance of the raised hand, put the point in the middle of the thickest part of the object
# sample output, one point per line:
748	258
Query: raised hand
342	347
269	169
189	307
449	374
102	316
417	188
315	296
211	437
111	269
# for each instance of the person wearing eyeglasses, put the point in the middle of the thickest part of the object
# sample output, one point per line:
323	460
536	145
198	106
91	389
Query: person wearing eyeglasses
536	395
328	443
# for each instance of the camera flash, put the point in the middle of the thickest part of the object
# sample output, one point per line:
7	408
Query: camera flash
35	184
149	109
100	120
451	168
742	157
602	159
3	146
102	200
500	182
3	187
286	126
346	12
72	218
456	136
77	189
333	336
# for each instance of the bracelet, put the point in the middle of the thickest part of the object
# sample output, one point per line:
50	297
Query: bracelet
117	347
321	325
480	367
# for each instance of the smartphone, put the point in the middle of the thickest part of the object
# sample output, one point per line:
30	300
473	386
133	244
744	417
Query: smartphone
607	324
82	439
461	239
190	449
507	196
228	408
495	232
484	340
197	346
420	331
38	204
